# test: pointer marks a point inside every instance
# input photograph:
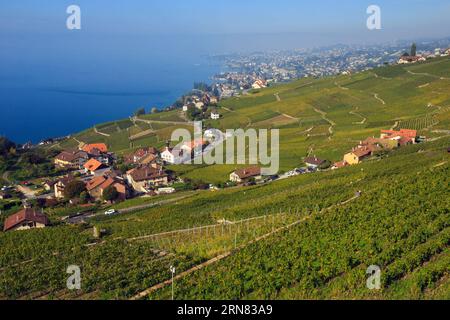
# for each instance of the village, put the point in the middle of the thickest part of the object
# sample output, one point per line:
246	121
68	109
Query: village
93	180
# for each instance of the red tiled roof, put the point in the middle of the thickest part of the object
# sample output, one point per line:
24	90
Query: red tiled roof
89	148
23	216
340	164
402	133
70	156
92	165
95	182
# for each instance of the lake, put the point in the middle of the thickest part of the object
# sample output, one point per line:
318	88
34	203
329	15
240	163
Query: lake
54	86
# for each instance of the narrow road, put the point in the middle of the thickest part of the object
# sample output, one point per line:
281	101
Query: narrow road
277	96
162	122
101	133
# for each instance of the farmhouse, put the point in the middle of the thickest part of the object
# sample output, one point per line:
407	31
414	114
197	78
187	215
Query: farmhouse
26	219
94	148
142	156
71	159
357	155
168	156
403	136
97	185
144	178
61	184
314	162
243	175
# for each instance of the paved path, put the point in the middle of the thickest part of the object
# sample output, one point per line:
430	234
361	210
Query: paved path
162	122
101	133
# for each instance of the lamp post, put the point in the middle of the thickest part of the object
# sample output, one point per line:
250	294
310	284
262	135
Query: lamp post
172	270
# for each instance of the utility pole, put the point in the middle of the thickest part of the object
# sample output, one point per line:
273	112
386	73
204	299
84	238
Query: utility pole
172	270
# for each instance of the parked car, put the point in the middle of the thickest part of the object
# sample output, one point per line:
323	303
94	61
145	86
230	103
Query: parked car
111	212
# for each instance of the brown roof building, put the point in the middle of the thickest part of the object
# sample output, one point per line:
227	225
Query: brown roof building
245	174
26	219
145	177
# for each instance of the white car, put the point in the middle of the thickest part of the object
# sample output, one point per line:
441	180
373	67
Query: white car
111	212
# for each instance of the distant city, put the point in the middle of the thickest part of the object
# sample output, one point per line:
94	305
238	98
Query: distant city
259	69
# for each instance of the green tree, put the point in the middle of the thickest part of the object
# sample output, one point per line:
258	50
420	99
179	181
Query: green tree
74	189
110	194
5	146
139	112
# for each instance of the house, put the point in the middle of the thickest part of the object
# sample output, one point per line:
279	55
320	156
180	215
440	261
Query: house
49	185
71	159
215	115
357	155
61	184
146	177
185	108
405	59
403	136
199	105
25	219
313	162
339	165
243	175
259	84
377	143
97	185
142	156
194	145
92	166
168	155
94	148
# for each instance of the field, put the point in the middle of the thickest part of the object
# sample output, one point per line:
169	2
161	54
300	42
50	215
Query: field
400	223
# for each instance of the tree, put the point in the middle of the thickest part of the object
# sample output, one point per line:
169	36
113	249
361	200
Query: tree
84	197
6	146
74	189
110	194
139	112
154	110
413	50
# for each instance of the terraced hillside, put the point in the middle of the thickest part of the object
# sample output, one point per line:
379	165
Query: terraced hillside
310	237
304	237
325	117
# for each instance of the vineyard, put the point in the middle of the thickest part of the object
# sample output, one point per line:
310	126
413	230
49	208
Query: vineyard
309	247
419	124
401	224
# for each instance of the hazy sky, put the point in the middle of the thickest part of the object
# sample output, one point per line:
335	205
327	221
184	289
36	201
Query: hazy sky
320	21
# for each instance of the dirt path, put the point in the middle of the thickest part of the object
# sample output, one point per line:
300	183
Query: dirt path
101	133
358	115
162	122
427	74
152	289
324	117
339	86
277	96
375	95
